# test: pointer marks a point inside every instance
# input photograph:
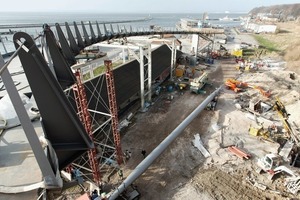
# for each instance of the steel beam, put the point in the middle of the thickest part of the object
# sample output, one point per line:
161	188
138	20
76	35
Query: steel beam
144	165
70	58
87	40
62	69
99	32
93	36
118	28
111	29
80	42
125	29
111	35
72	41
105	30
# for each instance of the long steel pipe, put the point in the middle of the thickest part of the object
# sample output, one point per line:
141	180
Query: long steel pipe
143	166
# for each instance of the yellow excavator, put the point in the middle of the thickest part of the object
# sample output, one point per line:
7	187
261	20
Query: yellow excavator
283	114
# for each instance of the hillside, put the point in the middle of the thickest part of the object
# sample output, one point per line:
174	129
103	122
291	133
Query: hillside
284	10
288	41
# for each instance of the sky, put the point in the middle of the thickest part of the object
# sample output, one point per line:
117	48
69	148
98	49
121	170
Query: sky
137	6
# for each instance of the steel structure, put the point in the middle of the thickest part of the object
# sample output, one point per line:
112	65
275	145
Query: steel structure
145	74
99	162
173	58
145	61
87	39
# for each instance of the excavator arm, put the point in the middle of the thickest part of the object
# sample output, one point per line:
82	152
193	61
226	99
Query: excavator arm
237	86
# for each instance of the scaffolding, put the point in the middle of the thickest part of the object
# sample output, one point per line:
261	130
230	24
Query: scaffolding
101	125
84	116
113	109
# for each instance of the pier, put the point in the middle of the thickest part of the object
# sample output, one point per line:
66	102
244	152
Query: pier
11	26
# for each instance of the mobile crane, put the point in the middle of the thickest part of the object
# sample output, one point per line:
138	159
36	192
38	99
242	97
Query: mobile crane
198	83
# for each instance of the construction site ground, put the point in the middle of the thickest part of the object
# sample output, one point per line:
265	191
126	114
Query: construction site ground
182	171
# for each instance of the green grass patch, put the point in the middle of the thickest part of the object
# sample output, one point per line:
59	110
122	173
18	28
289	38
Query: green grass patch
266	44
99	70
86	76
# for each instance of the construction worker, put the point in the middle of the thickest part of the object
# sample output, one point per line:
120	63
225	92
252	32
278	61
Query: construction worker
181	88
292	157
120	173
144	153
94	194
127	154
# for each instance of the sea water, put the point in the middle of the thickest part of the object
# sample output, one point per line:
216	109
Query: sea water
165	20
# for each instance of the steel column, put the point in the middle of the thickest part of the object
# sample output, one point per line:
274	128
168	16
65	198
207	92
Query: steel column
105	30
65	46
111	29
4	47
93	36
142	78
118	28
99	32
62	70
173	56
72	41
143	166
149	72
87	40
80	42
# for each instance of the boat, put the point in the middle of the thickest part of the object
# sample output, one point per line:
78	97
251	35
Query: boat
226	18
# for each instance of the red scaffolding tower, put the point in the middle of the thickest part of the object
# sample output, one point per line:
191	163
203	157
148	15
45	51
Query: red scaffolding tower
113	109
85	118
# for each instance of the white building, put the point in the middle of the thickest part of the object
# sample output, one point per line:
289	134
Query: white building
261	28
188	23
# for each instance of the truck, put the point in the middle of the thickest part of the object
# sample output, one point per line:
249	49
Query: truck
273	165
